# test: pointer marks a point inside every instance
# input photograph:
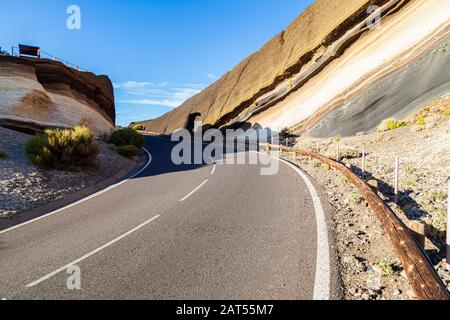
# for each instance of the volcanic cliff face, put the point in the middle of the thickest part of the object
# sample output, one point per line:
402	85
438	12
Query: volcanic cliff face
37	94
333	71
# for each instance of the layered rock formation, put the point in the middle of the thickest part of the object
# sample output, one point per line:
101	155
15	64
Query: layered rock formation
37	94
333	71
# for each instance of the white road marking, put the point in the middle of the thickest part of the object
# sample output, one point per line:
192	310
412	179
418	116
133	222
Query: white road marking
323	272
213	169
48	276
195	190
84	199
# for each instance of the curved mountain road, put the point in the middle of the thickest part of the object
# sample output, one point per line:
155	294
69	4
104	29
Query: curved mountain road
178	232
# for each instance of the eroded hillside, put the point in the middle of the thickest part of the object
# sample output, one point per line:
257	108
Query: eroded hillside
332	71
37	94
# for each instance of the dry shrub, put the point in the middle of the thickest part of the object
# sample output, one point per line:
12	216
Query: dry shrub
127	137
127	151
390	124
63	149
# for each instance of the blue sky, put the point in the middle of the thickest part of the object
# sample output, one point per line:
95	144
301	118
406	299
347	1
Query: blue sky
158	53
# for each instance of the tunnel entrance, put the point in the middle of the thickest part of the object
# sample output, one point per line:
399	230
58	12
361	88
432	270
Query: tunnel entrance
190	123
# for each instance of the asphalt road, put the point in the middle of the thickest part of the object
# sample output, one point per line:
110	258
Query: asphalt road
179	232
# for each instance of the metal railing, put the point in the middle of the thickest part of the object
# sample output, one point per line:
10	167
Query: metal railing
422	276
45	55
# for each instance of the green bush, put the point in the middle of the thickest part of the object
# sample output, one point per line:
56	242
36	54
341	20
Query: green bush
390	124
446	111
63	149
420	121
386	267
138	127
438	196
127	151
127	137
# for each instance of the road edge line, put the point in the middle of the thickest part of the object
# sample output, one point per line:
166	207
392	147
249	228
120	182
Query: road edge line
322	283
149	161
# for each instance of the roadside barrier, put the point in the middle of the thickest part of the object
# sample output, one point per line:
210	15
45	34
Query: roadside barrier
422	276
448	225
45	55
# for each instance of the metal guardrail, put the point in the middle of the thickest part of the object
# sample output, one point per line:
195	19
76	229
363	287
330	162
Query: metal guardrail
422	276
45	55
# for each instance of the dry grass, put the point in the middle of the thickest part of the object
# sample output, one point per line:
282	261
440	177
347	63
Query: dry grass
390	124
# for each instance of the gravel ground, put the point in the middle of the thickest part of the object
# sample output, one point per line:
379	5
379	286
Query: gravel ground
24	186
364	249
369	267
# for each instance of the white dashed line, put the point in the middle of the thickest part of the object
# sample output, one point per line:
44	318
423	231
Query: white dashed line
85	199
213	170
194	191
48	276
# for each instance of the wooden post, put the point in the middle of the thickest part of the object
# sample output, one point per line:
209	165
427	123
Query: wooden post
269	149
287	145
363	163
318	147
422	276
418	230
338	157
448	224
396	179
373	184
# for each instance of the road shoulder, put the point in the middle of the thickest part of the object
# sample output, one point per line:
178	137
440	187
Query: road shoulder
131	168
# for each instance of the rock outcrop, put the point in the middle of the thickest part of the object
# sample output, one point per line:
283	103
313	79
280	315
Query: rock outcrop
39	93
334	70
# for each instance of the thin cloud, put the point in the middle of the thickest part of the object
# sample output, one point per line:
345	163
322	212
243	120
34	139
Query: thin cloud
211	76
148	102
131	85
161	94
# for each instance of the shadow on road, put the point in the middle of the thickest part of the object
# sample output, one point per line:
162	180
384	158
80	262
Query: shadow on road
161	150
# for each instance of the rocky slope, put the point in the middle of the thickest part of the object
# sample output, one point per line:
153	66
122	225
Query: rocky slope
36	94
423	147
332	71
